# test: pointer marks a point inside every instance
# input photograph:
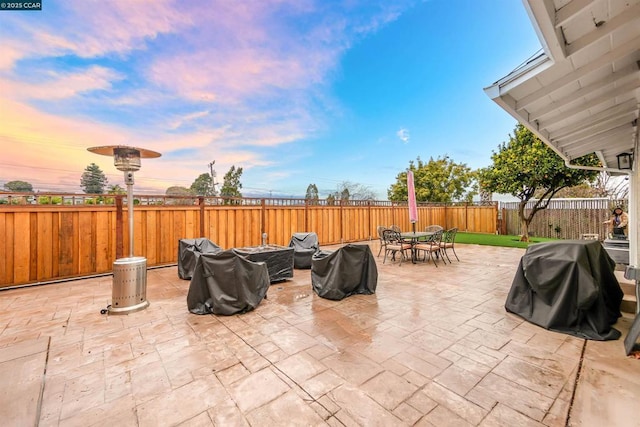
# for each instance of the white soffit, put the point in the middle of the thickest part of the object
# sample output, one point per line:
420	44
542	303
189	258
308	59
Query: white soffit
582	95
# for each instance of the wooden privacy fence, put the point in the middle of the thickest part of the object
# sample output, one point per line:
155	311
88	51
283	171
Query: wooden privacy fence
563	219
42	243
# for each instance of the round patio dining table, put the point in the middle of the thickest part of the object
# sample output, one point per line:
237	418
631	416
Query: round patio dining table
414	237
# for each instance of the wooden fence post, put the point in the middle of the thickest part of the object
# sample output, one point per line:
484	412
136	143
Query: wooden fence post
369	218
466	216
201	203
263	215
341	223
446	223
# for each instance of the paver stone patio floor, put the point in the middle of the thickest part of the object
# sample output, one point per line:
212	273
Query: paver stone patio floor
433	347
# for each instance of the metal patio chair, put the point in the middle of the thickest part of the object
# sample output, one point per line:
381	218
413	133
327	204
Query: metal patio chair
380	229
430	247
448	242
394	244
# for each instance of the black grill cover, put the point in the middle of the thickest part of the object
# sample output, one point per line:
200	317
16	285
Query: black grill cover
226	283
347	271
568	287
304	246
188	252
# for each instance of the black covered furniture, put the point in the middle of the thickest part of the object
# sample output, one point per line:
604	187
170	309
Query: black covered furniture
569	287
226	283
279	259
347	271
304	245
188	252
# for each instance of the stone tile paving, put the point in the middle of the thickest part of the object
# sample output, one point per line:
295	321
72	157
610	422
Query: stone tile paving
433	347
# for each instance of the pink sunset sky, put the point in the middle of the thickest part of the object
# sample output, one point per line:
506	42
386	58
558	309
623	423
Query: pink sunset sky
294	92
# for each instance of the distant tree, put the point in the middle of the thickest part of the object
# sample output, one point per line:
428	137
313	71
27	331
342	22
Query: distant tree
604	185
331	199
441	180
203	185
312	194
93	180
19	186
348	190
486	196
583	190
343	195
116	189
177	190
525	165
231	184
612	187
181	192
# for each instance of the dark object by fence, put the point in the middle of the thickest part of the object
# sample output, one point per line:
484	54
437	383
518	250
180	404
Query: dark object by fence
568	287
188	252
304	245
279	259
349	270
226	283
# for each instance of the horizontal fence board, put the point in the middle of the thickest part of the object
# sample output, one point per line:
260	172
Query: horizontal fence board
41	243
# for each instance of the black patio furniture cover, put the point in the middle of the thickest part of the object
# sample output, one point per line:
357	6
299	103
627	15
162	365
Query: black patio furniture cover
349	270
188	252
279	259
569	287
304	246
226	283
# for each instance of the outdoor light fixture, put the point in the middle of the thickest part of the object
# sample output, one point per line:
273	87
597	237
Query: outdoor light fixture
625	160
129	292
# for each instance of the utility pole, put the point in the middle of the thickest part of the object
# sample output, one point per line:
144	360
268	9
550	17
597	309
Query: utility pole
213	177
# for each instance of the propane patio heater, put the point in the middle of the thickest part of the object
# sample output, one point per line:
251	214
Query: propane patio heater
129	291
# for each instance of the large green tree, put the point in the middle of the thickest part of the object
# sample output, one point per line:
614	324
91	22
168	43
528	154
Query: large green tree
93	180
19	186
203	185
441	180
524	166
231	184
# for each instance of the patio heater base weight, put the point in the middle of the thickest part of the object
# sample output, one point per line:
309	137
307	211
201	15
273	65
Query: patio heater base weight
129	293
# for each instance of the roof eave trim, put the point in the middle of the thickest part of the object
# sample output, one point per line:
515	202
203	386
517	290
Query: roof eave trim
519	76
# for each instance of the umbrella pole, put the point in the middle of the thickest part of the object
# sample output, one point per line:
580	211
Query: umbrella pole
413	224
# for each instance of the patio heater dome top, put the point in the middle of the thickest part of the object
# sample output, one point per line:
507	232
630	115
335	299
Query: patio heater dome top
125	158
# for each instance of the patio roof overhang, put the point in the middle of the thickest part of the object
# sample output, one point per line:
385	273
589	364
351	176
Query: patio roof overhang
581	94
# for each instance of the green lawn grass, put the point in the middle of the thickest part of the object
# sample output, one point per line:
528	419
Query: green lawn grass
497	240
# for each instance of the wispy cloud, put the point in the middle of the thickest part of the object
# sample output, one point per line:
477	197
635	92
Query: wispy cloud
55	85
215	79
403	134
